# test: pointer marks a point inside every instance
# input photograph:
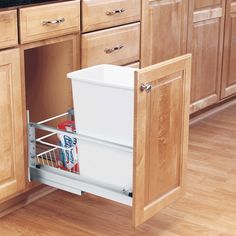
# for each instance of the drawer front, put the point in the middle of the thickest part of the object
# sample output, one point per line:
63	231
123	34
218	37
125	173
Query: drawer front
47	21
118	46
106	13
8	22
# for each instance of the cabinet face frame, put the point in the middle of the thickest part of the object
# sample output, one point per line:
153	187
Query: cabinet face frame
164	48
12	139
228	87
205	19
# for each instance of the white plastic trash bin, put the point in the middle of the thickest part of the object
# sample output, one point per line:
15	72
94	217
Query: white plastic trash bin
103	98
106	163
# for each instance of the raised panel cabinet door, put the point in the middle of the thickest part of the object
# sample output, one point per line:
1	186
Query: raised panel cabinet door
229	59
205	42
12	166
164	30
161	127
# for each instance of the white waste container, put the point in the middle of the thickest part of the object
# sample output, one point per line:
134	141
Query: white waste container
103	98
106	163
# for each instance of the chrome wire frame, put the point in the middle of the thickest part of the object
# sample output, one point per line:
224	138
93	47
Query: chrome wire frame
46	153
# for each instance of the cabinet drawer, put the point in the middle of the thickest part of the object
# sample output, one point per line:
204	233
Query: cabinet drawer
117	46
47	21
106	13
8	22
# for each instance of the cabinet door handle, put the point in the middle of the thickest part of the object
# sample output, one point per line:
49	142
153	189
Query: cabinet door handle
111	50
53	22
146	87
114	12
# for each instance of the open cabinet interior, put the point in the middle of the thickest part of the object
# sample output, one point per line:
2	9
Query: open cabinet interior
48	100
48	91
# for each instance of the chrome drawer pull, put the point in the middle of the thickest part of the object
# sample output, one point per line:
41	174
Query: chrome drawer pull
111	50
114	12
146	87
53	22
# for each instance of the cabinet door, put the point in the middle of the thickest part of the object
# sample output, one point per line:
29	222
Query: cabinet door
229	59
12	172
117	46
205	42
164	30
161	135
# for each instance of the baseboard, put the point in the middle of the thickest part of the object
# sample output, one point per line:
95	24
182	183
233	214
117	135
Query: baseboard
213	110
24	199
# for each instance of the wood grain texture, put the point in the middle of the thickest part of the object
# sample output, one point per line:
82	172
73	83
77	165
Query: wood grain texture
229	72
8	22
198	4
70	60
205	42
134	65
95	13
208	207
12	174
46	85
94	45
23	199
161	136
207	14
163	31
31	21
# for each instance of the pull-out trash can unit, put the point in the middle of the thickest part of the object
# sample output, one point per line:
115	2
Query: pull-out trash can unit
103	98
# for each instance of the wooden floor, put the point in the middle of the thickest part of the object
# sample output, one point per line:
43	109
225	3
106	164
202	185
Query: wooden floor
208	208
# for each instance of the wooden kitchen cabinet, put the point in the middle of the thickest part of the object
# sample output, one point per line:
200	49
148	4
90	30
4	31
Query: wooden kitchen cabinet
205	42
12	168
229	72
160	118
164	30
